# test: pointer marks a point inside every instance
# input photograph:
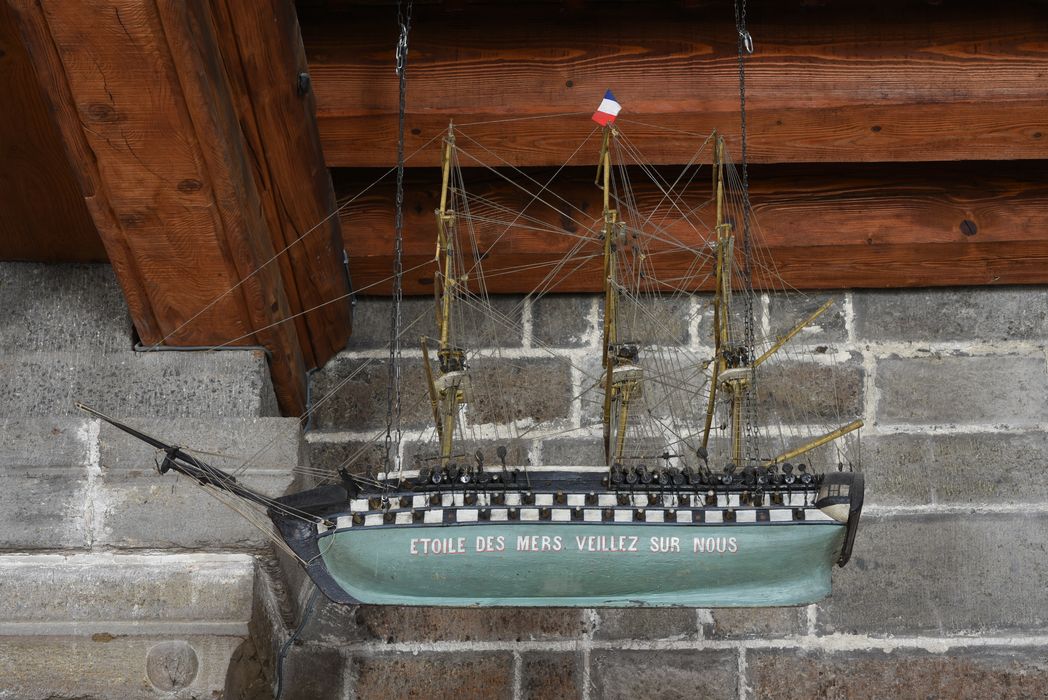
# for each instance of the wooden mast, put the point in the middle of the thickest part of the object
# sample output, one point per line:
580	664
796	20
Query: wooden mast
447	391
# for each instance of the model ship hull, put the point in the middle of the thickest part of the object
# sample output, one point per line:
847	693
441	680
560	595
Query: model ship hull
553	564
674	550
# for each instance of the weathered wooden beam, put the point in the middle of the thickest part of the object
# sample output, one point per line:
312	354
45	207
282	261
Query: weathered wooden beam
143	99
44	217
828	83
266	63
825	227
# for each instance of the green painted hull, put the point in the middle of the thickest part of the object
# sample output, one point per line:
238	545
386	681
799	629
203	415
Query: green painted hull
568	564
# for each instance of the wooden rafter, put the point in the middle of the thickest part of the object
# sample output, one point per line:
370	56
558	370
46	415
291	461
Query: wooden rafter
832	83
152	107
825	227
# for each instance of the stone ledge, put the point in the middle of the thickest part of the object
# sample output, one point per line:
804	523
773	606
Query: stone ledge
113	666
200	384
89	593
47	307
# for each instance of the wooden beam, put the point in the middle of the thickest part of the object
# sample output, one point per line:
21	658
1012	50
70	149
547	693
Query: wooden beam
827	83
146	108
44	217
824	226
262	48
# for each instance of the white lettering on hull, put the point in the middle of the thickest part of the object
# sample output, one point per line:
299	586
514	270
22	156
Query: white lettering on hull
598	544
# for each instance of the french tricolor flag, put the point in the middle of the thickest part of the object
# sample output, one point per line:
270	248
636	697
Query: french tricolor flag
608	110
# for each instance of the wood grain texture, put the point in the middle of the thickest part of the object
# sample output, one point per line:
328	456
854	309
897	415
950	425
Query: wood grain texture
824	227
834	83
44	217
141	94
263	54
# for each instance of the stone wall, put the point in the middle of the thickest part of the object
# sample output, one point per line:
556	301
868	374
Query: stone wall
947	591
116	581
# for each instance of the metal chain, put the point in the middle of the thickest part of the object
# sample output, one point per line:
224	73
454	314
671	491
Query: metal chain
745	46
391	458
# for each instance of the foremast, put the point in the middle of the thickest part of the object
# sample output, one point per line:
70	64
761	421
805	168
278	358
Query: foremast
448	390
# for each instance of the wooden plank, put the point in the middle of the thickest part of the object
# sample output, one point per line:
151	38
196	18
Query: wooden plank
825	227
44	217
833	83
264	58
145	87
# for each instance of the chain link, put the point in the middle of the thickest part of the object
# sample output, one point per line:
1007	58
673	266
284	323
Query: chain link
745	47
391	458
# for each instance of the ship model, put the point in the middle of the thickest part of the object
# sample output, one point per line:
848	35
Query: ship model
695	502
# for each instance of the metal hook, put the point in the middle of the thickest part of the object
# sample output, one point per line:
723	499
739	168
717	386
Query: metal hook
747	40
402	48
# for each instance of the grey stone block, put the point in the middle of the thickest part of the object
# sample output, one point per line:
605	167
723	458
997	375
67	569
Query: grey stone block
976	468
43	483
797	392
152	511
126	594
551	675
562	321
685	674
988	672
217	384
1002	390
573	451
73	308
242	445
940	574
403	624
354	455
313	673
787	309
135	507
757	623
654	623
475	324
941	315
44	508
428	675
653	319
115	667
56	442
519	389
351	394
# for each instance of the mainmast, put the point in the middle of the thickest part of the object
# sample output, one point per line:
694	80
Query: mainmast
622	376
446	392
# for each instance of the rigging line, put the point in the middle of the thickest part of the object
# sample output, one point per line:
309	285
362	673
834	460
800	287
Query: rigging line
292	317
253	518
320	223
526	176
663	128
674	201
657	178
521	119
320	402
537	196
671	240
